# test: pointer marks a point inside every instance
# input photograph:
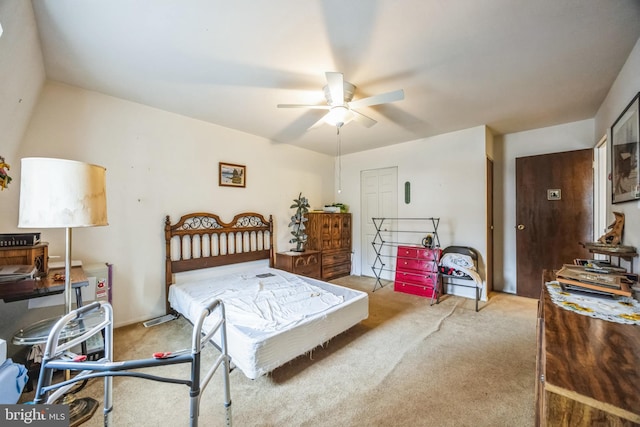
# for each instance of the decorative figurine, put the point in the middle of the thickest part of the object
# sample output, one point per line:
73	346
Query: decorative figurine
614	237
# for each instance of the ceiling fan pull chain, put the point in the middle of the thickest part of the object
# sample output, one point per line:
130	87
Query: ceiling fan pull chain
339	158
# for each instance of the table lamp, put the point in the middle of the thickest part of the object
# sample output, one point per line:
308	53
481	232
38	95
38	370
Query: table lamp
59	193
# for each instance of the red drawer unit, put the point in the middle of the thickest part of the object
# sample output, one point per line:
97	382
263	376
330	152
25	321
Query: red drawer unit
417	271
409	264
415	252
419	279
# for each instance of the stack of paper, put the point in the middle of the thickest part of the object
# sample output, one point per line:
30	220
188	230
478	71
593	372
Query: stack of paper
11	273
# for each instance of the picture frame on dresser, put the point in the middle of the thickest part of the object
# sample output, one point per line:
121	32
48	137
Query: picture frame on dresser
625	154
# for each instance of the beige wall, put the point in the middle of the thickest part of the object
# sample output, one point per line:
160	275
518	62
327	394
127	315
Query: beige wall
158	164
21	78
567	137
448	181
626	86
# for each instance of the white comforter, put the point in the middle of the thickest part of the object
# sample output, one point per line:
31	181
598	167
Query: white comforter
268	301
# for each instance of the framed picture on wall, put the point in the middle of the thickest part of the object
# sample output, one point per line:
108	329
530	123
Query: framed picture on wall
231	175
625	152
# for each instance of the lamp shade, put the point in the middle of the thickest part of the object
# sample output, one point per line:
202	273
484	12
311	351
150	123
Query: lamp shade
59	193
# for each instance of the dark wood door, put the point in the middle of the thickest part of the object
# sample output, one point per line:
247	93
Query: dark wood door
554	213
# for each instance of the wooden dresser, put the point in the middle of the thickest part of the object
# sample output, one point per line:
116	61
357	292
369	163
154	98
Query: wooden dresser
588	370
330	233
305	263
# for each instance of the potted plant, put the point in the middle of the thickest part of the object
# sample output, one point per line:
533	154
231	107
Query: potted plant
301	204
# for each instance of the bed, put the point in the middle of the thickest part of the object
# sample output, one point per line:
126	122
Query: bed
272	316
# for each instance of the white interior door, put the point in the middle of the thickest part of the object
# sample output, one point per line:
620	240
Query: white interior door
379	198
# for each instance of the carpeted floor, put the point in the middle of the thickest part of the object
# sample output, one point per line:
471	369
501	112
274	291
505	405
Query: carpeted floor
408	364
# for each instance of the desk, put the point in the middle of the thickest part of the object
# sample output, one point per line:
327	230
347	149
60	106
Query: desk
588	370
45	286
38	332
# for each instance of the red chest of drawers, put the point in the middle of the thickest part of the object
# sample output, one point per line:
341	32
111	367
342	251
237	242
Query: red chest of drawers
417	271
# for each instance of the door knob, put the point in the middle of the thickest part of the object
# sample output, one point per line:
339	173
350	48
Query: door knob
520	226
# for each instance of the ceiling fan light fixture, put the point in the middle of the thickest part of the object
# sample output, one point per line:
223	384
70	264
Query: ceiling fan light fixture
342	108
339	115
348	90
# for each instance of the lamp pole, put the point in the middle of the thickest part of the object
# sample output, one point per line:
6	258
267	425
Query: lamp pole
67	272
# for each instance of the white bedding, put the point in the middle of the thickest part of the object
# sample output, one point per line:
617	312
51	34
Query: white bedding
462	263
272	316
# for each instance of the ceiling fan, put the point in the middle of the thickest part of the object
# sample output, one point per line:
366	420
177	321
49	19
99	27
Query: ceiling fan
341	108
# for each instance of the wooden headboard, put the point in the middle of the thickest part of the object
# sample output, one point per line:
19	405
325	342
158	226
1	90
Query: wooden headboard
203	240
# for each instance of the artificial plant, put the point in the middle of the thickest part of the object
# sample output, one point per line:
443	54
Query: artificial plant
5	179
301	204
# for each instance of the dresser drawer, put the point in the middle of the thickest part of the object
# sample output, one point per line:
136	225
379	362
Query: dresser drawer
408	288
307	265
303	263
419	253
308	270
306	260
336	270
339	257
413	264
421	279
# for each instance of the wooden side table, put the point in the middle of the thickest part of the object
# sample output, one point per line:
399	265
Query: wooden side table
305	263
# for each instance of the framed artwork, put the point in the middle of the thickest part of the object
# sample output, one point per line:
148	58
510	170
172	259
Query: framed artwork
230	175
625	141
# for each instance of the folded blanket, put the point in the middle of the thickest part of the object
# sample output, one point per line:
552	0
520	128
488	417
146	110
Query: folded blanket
459	265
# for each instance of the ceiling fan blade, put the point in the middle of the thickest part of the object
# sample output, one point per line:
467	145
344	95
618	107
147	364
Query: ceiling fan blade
335	81
362	119
316	107
318	123
383	98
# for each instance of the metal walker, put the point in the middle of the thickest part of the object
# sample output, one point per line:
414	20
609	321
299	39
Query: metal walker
98	317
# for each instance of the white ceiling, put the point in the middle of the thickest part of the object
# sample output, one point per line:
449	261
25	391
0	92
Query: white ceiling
513	65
